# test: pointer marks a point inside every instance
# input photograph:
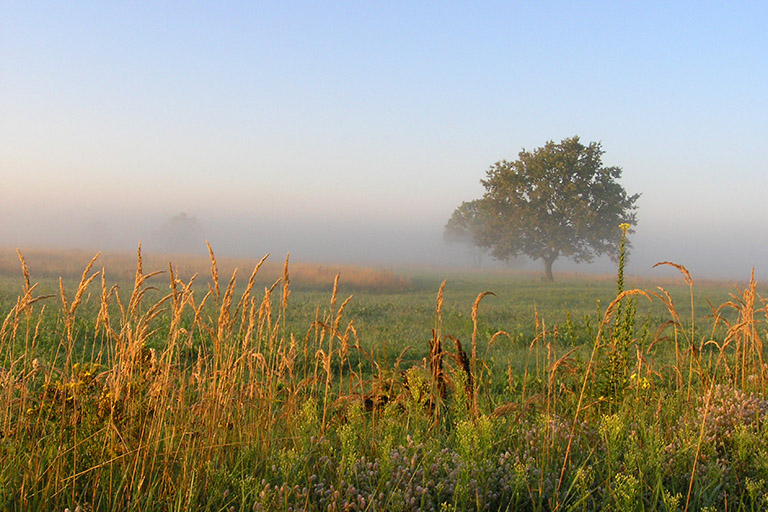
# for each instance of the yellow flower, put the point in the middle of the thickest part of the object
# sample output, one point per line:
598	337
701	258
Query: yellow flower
624	227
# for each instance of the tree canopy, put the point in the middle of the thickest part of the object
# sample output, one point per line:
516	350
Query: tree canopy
559	200
181	233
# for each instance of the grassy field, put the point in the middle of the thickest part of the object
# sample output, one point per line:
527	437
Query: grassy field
286	387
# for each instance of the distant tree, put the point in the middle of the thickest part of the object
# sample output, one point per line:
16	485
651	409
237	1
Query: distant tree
180	234
559	200
461	228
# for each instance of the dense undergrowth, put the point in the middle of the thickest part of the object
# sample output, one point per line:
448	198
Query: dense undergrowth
204	399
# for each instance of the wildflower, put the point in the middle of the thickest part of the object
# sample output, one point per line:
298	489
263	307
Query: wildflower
624	226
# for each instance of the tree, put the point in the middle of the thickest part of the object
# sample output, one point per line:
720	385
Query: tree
559	200
461	228
180	234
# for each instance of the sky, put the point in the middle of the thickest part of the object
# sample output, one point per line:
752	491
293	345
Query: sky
350	131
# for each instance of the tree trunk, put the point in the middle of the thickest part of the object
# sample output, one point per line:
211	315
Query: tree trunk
548	270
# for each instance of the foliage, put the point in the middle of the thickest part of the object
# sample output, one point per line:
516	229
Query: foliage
559	200
462	226
207	398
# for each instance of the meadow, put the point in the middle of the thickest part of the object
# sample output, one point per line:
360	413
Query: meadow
135	382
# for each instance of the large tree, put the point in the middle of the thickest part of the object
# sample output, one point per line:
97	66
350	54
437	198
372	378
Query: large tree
559	200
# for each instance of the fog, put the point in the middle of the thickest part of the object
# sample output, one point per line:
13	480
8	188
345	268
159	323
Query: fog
719	251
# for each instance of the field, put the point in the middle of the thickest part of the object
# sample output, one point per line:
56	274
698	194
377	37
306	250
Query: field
129	384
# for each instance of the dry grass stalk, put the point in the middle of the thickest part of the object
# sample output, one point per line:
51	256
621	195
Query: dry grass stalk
244	298
24	271
214	271
343	351
334	292
564	361
439	309
681	268
139	290
103	319
139	266
325	359
436	368
225	321
436	354
694	350
475	390
85	281
497	334
749	345
174	286
337	320
666	299
265	312
286	285
475	307
69	310
64	303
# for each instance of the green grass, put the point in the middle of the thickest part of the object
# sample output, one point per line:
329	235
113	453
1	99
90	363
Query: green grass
139	398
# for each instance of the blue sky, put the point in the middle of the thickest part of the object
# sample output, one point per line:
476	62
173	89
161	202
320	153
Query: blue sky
352	130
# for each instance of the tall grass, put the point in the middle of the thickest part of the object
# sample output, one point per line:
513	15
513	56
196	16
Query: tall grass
201	398
55	263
